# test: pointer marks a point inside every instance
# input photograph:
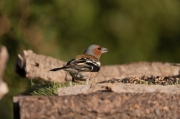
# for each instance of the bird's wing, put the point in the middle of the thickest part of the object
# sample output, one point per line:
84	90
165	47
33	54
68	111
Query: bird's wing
86	63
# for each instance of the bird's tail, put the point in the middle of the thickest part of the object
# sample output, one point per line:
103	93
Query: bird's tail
56	69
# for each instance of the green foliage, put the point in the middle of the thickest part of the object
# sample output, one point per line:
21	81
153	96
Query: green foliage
45	88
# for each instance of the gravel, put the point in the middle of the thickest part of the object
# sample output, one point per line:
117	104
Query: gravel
154	80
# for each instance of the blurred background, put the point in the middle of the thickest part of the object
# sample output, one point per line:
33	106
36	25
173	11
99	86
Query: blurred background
132	30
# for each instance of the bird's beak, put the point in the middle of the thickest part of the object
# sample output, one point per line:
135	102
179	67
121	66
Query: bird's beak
104	50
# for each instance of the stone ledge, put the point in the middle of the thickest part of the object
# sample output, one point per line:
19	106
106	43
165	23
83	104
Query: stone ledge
119	88
101	105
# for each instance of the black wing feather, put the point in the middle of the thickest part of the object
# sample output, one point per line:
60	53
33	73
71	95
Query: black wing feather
83	64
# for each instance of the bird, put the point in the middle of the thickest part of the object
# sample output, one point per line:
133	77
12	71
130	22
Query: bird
85	66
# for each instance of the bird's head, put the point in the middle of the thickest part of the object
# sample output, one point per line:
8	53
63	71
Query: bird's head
95	50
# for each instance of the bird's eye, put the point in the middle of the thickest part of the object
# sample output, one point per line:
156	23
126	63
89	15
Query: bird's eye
99	48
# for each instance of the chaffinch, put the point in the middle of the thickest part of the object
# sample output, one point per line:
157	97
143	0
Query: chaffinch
85	66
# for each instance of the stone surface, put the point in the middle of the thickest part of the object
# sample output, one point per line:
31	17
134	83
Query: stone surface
3	89
119	88
99	105
35	66
103	101
3	60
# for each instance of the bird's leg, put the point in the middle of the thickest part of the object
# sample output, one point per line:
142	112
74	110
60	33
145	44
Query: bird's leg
73	79
71	82
87	81
32	82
